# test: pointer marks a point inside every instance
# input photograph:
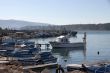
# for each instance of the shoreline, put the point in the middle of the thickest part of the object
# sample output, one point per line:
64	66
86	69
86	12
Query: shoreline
15	67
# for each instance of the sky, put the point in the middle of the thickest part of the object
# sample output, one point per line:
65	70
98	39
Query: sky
59	12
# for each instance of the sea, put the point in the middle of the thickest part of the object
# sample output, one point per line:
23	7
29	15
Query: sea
97	48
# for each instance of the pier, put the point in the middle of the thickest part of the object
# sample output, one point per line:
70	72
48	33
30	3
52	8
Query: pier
41	67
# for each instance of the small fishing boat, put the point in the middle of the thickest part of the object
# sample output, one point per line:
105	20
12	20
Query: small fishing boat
17	52
15	42
105	68
72	67
25	52
47	57
20	48
39	58
63	42
30	56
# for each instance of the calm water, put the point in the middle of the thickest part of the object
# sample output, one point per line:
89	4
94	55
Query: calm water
96	41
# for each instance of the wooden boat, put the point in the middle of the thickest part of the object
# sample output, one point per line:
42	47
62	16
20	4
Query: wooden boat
19	53
15	42
31	57
71	67
40	58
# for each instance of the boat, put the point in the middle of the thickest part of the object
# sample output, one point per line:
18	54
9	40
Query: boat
63	42
25	52
104	68
47	57
17	52
39	58
30	56
72	67
18	48
14	42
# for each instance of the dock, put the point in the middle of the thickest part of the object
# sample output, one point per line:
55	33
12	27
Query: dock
50	65
71	67
4	62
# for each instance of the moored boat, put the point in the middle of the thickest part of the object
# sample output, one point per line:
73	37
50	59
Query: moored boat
105	68
47	57
39	58
63	42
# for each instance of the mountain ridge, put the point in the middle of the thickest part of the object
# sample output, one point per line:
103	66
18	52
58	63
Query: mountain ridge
17	24
26	25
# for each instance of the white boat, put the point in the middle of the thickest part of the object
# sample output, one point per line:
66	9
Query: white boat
63	42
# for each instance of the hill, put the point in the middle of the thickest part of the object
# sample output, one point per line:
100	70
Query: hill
26	25
17	24
101	26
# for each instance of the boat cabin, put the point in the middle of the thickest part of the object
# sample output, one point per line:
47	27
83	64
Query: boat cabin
63	39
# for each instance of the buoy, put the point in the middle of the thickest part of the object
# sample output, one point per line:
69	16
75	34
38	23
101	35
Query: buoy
98	52
65	60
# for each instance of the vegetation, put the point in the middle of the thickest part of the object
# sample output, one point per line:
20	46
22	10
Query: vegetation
72	27
105	26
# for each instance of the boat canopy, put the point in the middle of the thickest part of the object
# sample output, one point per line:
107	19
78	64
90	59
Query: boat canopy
63	39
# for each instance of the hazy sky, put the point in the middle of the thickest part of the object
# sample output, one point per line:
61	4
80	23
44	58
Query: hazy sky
56	11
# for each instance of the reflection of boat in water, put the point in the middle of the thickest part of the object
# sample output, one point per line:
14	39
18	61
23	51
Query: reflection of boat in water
63	42
66	51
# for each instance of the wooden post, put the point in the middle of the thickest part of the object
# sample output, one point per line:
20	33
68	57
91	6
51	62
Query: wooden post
0	40
84	40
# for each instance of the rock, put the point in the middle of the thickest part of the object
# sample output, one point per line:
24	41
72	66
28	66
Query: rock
45	71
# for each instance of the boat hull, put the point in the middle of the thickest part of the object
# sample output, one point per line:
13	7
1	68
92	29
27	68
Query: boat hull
66	45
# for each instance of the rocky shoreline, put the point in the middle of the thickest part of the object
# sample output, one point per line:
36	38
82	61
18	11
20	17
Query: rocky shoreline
16	67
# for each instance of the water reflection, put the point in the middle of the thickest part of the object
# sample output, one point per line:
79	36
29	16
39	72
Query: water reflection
64	52
69	55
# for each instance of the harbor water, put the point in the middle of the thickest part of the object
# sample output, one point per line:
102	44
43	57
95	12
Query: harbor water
97	48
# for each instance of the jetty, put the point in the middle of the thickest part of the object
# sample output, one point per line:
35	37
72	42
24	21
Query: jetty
50	65
40	68
4	62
